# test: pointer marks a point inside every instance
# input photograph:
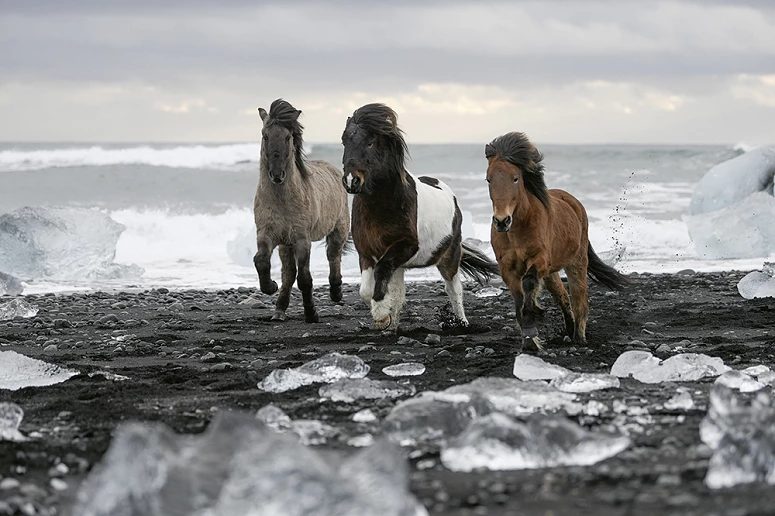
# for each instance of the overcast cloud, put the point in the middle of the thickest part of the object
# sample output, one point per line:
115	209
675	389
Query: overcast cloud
672	72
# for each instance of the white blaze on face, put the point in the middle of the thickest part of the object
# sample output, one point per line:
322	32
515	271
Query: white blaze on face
435	212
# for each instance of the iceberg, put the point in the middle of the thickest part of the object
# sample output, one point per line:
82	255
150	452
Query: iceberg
240	467
326	369
10	286
18	371
61	243
499	442
732	207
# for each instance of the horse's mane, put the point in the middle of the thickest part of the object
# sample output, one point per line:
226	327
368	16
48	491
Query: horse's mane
517	150
282	113
380	120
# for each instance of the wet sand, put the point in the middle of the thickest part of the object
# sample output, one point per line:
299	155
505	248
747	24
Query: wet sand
191	353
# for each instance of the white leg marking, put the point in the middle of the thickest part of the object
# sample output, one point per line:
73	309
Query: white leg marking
397	286
454	289
367	284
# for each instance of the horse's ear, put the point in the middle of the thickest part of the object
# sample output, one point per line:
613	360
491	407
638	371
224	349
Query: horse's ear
489	150
297	115
262	113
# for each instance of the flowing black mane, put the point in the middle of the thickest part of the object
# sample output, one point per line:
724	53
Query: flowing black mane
517	150
282	113
380	120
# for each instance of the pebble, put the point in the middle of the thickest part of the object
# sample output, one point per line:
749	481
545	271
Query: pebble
223	366
9	483
433	339
209	357
50	348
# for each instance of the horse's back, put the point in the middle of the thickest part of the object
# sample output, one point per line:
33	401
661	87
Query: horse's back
436	208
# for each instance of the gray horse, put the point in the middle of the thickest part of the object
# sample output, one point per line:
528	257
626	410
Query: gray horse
297	202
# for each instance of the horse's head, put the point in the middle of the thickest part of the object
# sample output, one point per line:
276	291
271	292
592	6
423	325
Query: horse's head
282	143
374	149
514	171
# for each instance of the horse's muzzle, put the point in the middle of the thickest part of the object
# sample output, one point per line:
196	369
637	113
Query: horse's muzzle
502	225
354	185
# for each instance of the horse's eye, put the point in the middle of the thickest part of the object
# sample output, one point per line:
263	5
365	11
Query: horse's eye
487	179
371	144
288	138
516	179
265	137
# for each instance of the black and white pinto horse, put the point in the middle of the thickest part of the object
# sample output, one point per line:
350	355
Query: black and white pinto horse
400	221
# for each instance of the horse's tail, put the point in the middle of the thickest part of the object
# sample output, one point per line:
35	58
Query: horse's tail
477	266
604	274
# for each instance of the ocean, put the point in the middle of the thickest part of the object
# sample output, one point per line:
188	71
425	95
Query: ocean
187	208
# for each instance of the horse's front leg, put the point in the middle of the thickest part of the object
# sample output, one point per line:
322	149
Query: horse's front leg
263	263
530	284
388	296
304	279
288	259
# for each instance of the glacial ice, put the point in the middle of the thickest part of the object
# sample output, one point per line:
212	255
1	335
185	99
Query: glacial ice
10	286
17	307
682	400
11	416
238	467
757	284
326	369
488	291
310	431
740	381
404	369
585	382
529	367
61	243
351	389
432	418
18	371
740	428
732	181
499	442
685	367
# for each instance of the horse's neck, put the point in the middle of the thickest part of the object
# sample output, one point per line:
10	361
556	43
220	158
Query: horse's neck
528	206
390	196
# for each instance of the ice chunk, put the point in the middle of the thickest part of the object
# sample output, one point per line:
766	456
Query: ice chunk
740	381
18	371
516	397
326	369
17	307
685	367
756	370
528	367
274	417
432	417
351	389
585	382
498	442
680	401
309	431
240	467
364	416
730	182
758	284
740	428
404	369
61	243
11	416
359	441
488	292
10	286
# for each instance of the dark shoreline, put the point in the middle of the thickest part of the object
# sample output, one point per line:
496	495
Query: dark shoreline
662	471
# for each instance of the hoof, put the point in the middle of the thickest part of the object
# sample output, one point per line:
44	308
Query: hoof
533	343
383	324
311	316
270	289
336	294
279	315
530	332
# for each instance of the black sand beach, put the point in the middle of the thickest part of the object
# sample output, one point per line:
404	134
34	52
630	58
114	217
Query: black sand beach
192	353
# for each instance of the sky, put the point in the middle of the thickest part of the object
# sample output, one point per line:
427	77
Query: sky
561	71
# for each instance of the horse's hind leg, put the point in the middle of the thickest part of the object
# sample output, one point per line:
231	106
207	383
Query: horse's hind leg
577	281
263	263
555	287
335	242
302	252
449	267
289	277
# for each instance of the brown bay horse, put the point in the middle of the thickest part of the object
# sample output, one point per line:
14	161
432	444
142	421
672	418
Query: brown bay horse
537	232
